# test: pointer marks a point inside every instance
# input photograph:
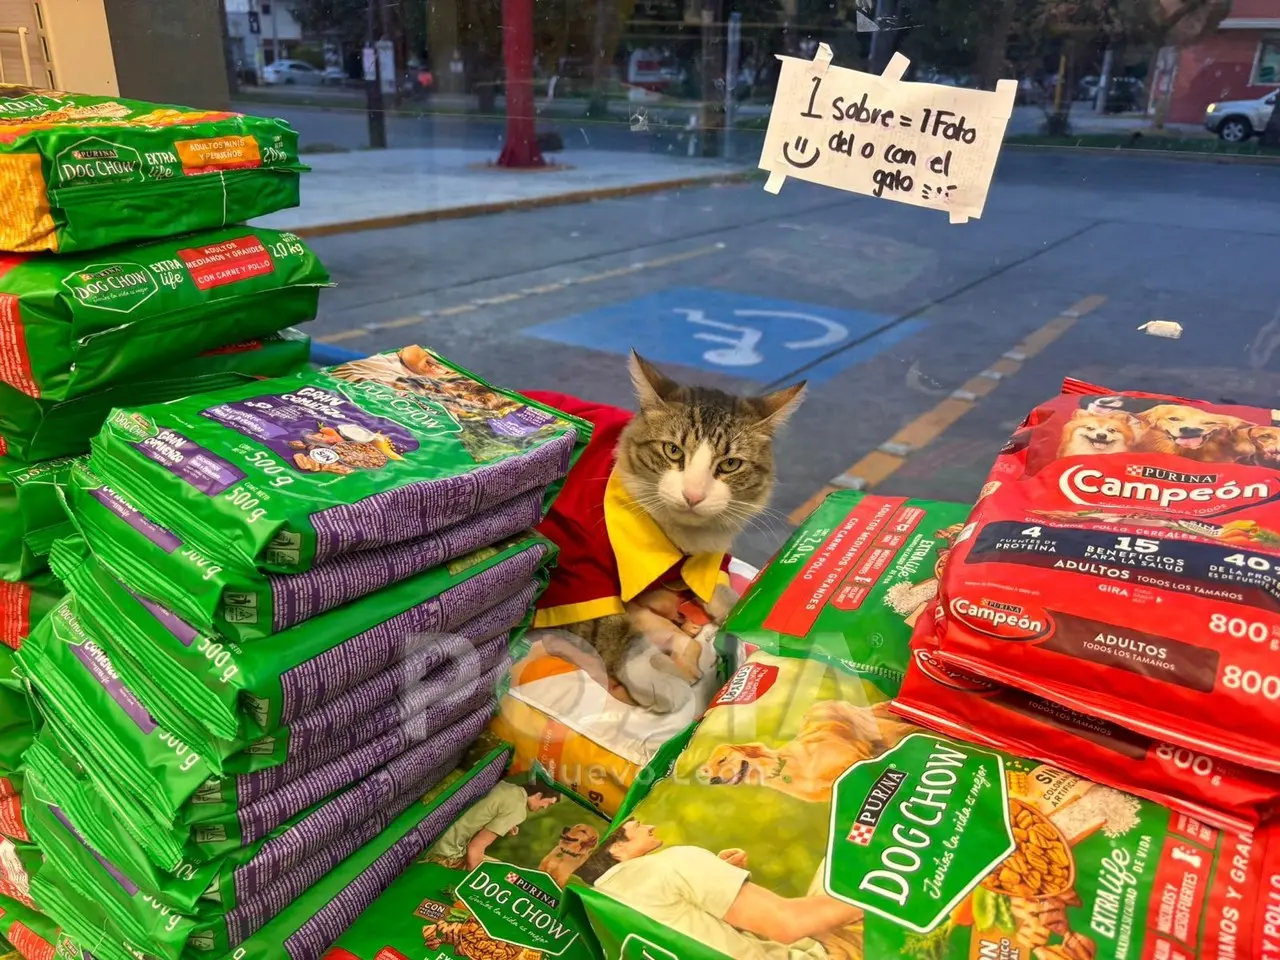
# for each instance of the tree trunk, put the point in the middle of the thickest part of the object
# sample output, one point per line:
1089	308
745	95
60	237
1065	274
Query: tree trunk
991	60
712	110
882	40
521	146
1103	93
598	105
1164	74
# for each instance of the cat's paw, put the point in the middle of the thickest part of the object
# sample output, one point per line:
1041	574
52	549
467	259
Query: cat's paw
654	681
721	603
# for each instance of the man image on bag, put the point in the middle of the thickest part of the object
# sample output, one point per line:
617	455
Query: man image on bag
498	813
710	898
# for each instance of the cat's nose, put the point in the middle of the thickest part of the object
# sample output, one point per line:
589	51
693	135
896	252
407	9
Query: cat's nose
693	499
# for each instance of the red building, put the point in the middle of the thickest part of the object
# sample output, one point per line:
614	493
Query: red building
1239	61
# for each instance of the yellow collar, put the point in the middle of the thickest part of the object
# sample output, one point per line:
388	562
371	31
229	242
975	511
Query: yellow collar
644	553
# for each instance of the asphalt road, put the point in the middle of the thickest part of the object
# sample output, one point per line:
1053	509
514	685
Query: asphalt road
885	308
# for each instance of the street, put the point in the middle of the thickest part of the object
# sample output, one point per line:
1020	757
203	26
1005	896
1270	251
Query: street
885	308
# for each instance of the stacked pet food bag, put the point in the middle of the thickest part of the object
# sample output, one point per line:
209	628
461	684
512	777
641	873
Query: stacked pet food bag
290	607
120	283
1040	728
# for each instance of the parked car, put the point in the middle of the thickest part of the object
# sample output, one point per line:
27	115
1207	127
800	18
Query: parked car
291	71
1235	121
335	75
1126	95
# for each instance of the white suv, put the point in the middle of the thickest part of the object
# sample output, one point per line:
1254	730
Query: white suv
1237	120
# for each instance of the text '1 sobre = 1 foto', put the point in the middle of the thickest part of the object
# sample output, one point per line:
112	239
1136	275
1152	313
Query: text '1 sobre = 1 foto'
917	143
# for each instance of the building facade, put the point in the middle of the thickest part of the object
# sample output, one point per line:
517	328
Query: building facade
1239	61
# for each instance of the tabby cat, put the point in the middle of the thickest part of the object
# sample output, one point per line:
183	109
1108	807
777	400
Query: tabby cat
700	463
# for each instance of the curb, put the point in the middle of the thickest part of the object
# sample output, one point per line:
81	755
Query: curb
1186	156
530	203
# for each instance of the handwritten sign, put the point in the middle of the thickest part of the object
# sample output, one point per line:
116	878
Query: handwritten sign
918	143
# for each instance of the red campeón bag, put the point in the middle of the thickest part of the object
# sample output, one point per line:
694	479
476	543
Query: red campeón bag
960	704
1123	560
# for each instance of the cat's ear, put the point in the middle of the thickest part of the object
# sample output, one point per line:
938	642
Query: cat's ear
653	388
777	408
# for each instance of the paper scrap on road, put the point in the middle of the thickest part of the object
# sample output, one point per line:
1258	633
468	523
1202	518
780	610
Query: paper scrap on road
917	143
1162	328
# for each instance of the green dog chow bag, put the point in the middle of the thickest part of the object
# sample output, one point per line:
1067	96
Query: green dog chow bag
288	474
801	819
244	604
24	604
849	585
285	922
27	929
79	685
212	927
242	691
73	325
110	823
505	908
35	429
79	172
31	514
240	810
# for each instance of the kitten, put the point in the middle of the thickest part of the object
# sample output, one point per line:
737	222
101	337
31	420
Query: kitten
700	463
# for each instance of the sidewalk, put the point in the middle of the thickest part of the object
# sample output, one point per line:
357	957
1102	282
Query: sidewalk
1026	119
1029	119
376	189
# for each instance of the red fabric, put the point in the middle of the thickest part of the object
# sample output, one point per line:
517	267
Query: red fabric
587	569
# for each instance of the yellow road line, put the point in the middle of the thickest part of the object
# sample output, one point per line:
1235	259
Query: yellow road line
401	322
878	465
342	335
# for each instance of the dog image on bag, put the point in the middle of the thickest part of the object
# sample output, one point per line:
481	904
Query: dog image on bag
833	737
1185	431
1259	446
576	844
1087	433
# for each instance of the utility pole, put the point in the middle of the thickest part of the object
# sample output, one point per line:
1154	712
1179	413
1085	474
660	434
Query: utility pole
373	85
275	32
712	110
1271	132
388	34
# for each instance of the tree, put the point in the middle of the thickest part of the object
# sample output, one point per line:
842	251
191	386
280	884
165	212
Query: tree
344	19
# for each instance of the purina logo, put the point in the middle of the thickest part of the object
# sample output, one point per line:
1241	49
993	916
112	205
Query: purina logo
874	806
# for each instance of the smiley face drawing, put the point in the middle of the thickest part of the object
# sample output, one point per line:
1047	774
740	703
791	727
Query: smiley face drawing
802	145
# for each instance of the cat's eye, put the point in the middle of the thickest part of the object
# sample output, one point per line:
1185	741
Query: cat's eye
673	451
730	464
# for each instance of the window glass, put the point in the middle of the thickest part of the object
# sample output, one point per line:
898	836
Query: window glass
1268	70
